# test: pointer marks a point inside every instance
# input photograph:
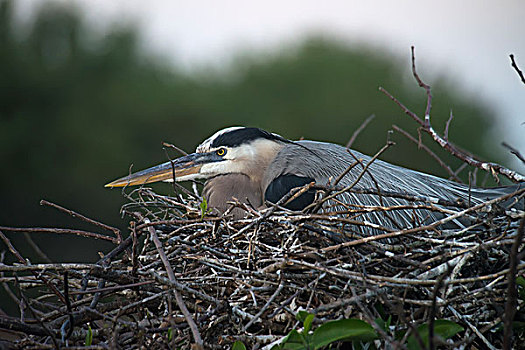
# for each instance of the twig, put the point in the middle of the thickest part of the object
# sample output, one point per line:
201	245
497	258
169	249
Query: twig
429	151
182	287
60	231
491	168
447	125
110	289
516	68
21	259
36	248
178	297
180	150
426	227
71	319
13	324
474	329
74	214
359	129
341	303
432	313
265	307
424	86
512	292
514	151
35	315
44	267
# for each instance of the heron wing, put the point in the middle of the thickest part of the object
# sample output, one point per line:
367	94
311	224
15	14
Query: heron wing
282	184
324	162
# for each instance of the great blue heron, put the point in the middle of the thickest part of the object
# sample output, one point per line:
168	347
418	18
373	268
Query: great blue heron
254	166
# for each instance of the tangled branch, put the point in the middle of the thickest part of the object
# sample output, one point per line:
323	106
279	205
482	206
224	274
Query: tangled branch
426	126
247	279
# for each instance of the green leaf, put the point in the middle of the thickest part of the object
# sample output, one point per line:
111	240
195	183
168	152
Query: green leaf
380	310
347	329
204	207
302	315
170	334
308	323
520	281
89	336
238	345
357	345
384	325
293	341
442	328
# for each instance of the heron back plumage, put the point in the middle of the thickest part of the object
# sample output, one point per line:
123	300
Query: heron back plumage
331	160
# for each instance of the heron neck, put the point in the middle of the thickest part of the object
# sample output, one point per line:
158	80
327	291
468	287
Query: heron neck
267	151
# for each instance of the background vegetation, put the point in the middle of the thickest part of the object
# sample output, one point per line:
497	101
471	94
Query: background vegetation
77	109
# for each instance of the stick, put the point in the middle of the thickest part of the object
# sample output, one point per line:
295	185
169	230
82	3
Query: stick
115	230
491	168
14	324
514	151
424	86
427	227
429	151
20	258
42	324
512	292
36	248
263	309
515	66
178	297
359	129
60	231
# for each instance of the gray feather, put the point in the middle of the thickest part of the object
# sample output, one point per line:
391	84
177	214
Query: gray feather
324	162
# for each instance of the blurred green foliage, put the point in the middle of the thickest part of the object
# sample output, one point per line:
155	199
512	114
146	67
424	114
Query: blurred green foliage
77	108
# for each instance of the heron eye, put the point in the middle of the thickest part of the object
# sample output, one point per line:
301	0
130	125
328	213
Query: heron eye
221	152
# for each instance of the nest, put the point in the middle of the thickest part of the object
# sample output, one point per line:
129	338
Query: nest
182	274
183	278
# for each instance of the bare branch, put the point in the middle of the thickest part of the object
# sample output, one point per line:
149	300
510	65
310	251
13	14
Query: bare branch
447	125
23	261
402	106
516	68
115	230
60	231
491	168
514	151
429	151
178	297
261	269
359	129
512	292
180	150
424	86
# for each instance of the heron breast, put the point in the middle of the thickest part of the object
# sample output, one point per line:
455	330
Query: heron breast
222	189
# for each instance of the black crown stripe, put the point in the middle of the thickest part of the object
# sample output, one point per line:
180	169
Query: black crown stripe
245	135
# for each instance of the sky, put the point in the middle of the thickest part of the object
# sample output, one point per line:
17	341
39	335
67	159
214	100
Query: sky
468	41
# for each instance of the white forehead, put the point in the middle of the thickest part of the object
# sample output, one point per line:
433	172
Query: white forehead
205	146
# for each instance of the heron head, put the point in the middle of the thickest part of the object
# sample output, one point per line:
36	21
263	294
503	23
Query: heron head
231	150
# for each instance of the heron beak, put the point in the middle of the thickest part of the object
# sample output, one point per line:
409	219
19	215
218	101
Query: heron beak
185	168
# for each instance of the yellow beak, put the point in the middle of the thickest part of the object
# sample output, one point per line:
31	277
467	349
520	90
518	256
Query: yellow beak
181	169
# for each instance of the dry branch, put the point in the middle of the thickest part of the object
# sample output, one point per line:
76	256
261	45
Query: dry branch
246	279
426	126
516	68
